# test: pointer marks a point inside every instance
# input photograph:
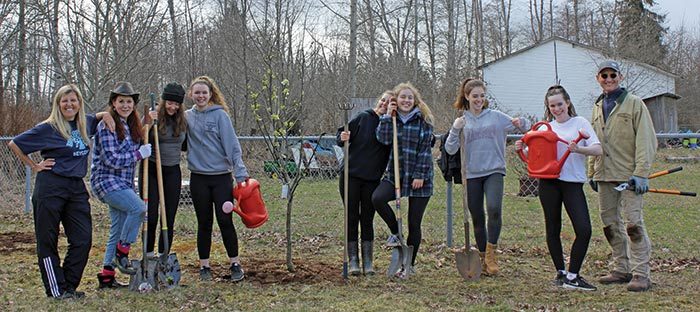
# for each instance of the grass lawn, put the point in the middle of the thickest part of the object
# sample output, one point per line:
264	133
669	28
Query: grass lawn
673	223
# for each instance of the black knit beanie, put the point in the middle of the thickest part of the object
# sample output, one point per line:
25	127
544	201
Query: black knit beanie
173	92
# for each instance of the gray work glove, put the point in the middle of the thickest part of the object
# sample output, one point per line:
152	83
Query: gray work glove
641	185
144	151
593	184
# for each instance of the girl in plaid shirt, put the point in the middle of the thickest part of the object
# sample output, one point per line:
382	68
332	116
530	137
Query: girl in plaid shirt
415	135
112	178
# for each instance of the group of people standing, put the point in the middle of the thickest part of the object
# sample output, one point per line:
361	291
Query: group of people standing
214	156
620	147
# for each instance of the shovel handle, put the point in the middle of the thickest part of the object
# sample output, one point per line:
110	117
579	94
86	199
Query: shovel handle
672	192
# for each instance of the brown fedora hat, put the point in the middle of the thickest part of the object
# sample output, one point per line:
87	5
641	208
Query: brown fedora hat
124	88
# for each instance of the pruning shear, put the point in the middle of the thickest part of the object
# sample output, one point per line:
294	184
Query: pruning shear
625	186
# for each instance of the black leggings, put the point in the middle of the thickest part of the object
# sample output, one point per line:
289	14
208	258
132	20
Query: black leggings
553	193
416	207
209	192
360	207
172	182
491	187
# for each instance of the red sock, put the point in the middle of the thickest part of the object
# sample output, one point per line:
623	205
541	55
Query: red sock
123	248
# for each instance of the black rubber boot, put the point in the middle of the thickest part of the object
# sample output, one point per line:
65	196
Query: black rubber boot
354	265
367	257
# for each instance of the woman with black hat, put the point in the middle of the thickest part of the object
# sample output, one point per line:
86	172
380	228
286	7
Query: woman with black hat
172	128
112	179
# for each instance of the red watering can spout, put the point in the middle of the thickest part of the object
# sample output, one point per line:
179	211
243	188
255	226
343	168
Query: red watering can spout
250	205
542	159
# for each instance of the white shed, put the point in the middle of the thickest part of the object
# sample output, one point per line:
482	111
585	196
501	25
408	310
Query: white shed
517	82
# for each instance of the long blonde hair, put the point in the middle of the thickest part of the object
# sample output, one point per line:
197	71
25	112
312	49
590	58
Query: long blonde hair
217	98
417	99
58	122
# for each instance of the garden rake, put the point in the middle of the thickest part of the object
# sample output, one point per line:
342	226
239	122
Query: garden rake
346	107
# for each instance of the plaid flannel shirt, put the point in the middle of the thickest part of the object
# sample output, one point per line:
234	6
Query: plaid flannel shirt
415	157
114	162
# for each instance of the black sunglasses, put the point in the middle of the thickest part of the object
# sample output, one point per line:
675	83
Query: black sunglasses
605	76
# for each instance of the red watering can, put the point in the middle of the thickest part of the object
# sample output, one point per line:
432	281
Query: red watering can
250	205
542	159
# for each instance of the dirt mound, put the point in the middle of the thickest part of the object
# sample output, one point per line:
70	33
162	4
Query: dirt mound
17	242
263	272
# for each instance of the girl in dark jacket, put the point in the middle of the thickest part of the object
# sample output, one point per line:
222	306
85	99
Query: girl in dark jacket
367	161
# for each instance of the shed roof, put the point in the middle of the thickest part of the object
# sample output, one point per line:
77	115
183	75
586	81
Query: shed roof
574	43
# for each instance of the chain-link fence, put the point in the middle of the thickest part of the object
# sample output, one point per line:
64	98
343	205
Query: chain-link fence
16	180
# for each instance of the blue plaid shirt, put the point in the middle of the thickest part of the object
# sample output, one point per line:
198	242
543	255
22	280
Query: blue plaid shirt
415	158
114	162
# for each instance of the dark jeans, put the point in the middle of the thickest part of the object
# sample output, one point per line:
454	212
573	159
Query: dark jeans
416	207
360	207
57	199
553	193
209	192
172	184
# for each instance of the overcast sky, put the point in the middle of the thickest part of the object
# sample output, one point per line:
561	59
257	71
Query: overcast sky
680	12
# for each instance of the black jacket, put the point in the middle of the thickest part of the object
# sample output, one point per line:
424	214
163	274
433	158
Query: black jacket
450	165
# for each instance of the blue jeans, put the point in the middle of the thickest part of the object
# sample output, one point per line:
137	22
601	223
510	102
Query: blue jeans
126	210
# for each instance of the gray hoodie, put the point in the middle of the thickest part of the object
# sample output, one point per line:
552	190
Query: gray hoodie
485	142
212	144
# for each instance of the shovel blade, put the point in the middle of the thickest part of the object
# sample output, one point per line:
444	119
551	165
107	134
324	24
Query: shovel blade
144	281
169	273
468	264
396	261
406	269
622	187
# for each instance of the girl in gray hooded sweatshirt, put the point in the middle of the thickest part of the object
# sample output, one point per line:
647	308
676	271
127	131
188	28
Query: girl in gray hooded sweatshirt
485	141
213	156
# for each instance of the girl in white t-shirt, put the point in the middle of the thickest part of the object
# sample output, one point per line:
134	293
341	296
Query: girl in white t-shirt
568	188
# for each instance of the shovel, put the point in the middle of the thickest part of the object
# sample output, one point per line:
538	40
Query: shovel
400	264
626	185
144	279
468	261
168	269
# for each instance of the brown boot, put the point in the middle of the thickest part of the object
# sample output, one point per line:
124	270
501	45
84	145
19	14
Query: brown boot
639	283
615	277
482	256
491	261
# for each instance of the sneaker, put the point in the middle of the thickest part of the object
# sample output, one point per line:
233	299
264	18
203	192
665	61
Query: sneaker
70	294
559	280
237	273
121	259
578	283
205	274
393	241
121	262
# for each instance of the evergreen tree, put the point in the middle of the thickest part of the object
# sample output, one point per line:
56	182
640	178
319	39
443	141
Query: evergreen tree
641	32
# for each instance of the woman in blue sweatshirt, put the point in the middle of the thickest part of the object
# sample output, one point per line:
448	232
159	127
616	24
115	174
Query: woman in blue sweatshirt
367	160
214	158
485	143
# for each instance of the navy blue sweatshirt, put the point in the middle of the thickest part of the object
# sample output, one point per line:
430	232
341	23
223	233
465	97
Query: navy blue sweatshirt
368	157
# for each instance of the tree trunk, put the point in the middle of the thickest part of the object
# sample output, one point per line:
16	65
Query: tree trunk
288	225
353	48
21	54
176	40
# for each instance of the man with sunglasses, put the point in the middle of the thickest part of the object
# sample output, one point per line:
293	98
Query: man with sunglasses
623	125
